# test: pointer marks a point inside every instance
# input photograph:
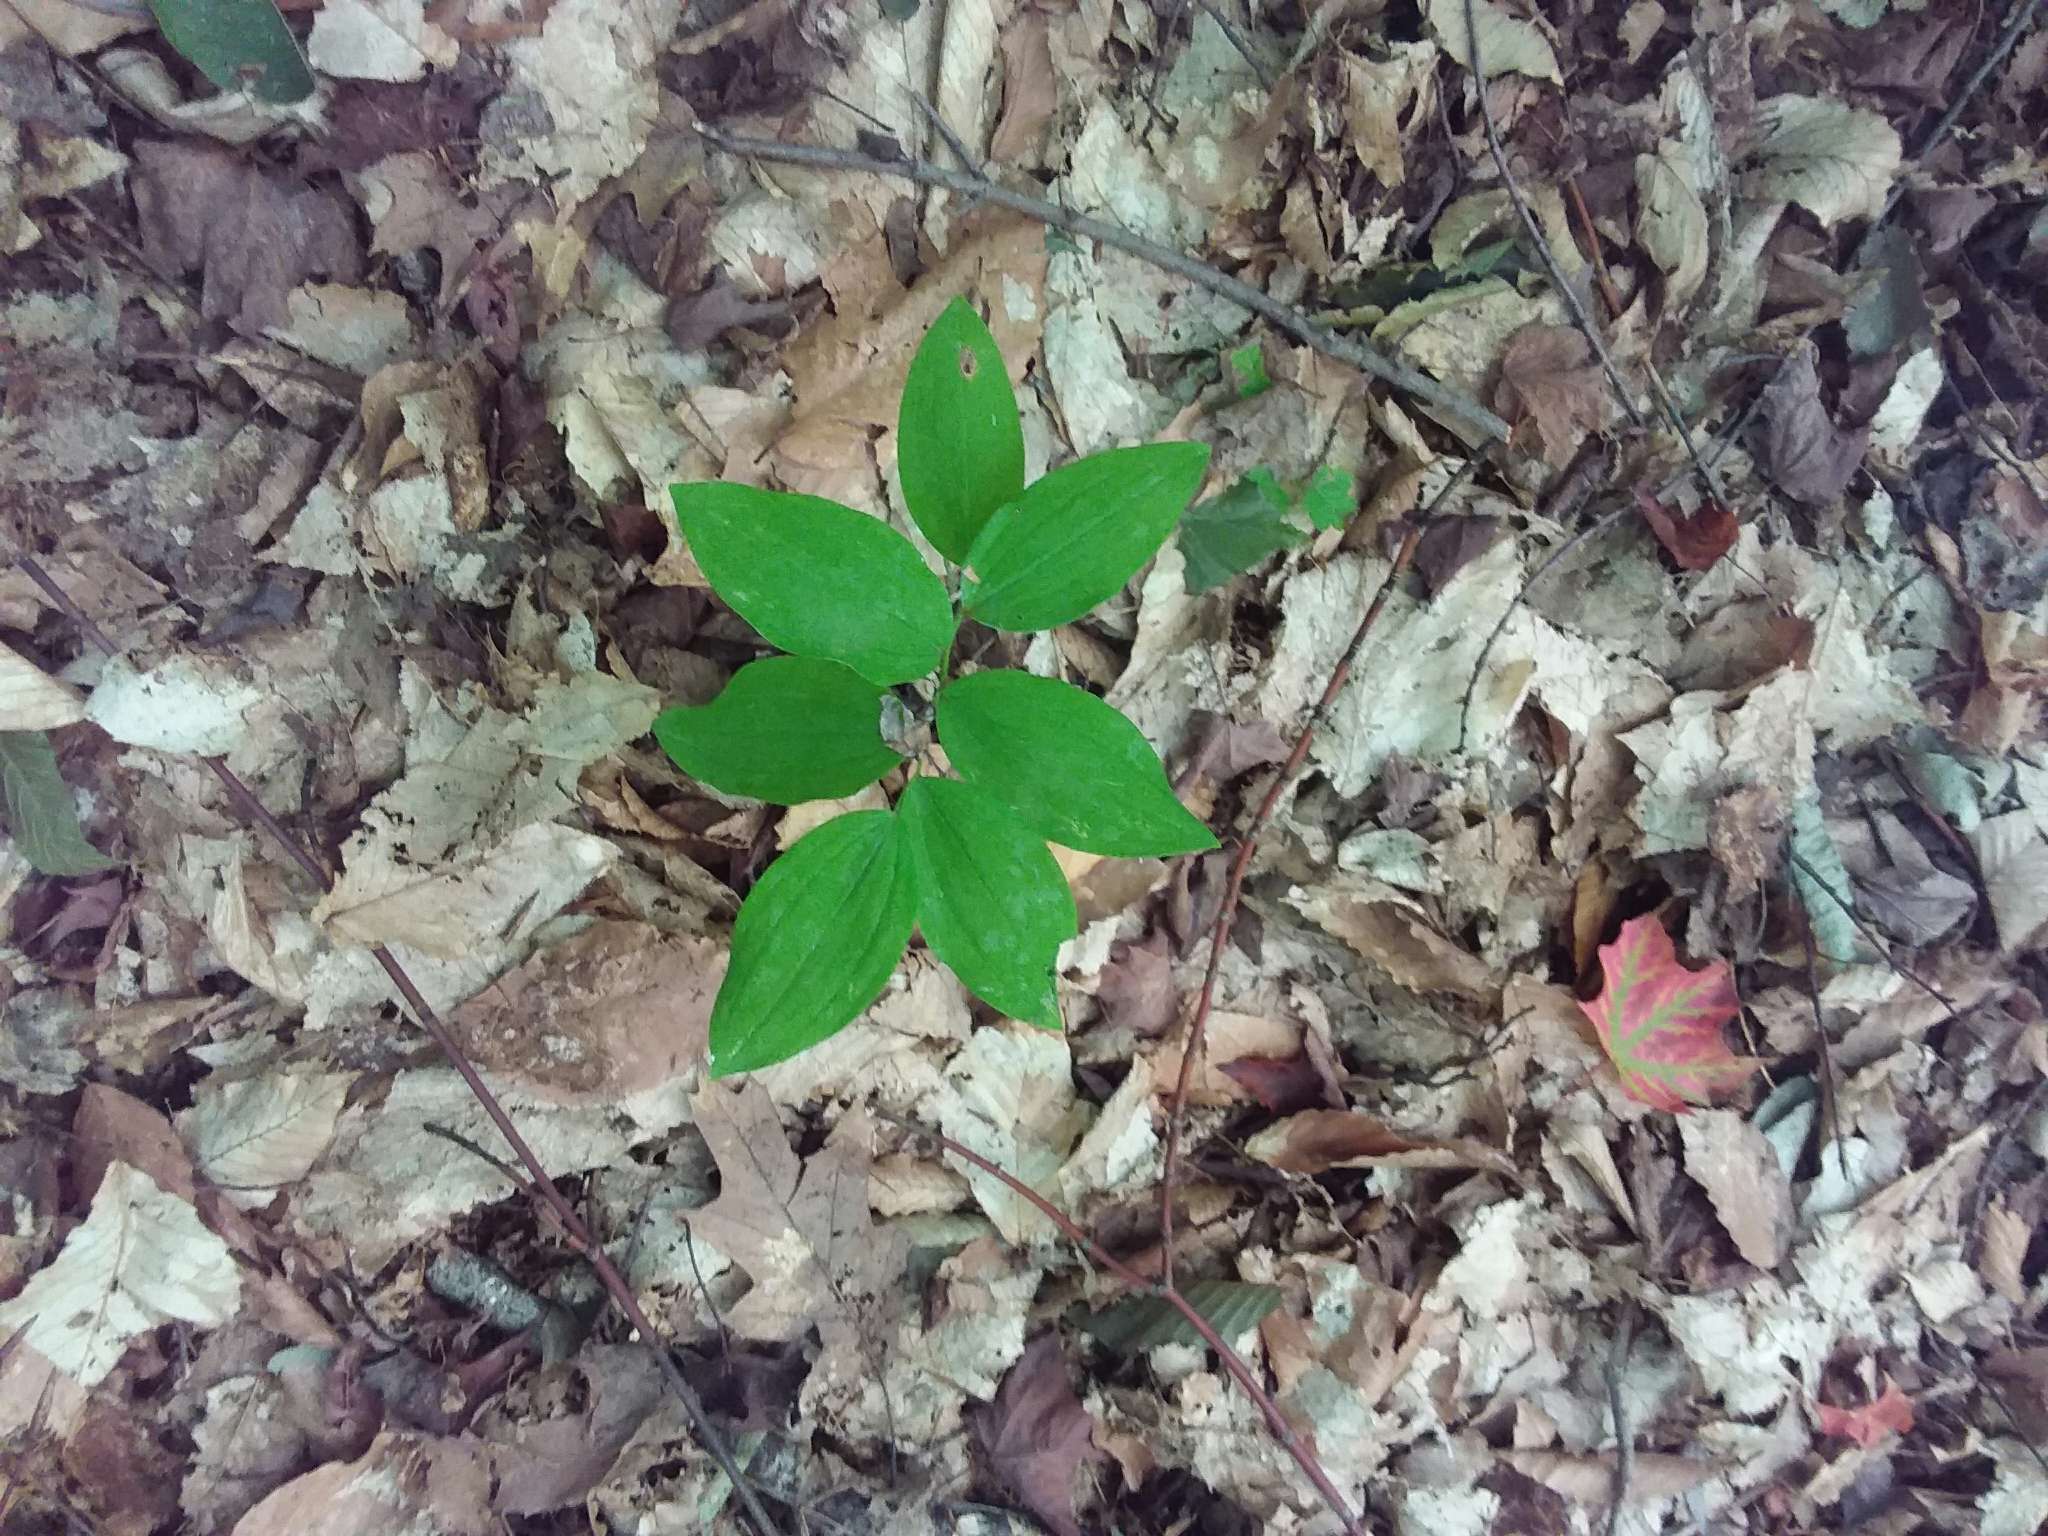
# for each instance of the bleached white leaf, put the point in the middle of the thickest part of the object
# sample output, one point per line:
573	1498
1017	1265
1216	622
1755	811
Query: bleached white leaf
377	40
141	1258
1904	408
187	703
2016	1503
253	1137
1009	1095
32	700
1507	44
1834	160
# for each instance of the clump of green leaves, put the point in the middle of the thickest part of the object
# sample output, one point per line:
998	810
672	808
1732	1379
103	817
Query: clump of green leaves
961	860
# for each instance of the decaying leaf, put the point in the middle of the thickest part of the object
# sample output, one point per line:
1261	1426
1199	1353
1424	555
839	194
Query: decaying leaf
1730	1159
1548	376
1661	1023
1810	457
1319	1139
1889	1413
1507	44
1037	1436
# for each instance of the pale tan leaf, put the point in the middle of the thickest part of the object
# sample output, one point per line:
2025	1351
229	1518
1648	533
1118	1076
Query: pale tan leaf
140	1259
32	700
256	1136
1732	1161
1671	222
1834	160
1507	44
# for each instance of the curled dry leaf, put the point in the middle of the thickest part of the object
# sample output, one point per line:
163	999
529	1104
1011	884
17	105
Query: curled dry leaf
1320	1139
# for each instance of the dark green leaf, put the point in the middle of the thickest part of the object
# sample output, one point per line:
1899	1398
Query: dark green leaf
42	815
1235	531
786	729
959	444
1069	765
1248	370
815	942
1075	537
990	900
1330	497
238	43
1139	1323
818	579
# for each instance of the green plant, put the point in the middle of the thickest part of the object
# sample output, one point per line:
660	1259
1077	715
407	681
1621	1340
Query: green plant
961	859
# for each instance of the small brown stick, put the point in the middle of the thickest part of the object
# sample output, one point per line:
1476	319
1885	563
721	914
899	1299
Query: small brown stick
1366	359
1234	1363
1566	291
550	1197
1226	915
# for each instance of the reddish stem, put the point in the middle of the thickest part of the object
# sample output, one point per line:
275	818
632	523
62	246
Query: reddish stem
1240	1372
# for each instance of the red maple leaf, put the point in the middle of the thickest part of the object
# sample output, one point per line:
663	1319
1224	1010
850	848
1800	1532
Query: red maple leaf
1893	1411
1697	541
1661	1023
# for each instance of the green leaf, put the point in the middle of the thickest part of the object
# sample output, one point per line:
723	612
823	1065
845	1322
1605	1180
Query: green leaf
991	902
1234	531
959	443
1330	497
1070	766
786	729
1075	537
1248	368
1139	1323
238	43
815	942
42	815
1822	883
818	579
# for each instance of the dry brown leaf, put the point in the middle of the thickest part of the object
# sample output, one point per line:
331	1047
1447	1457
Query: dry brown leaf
1317	1140
2002	1258
617	1010
1730	1159
1549	378
1037	1437
1589	1480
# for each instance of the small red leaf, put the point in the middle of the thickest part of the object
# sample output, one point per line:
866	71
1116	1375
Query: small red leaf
1695	541
1892	1412
1661	1023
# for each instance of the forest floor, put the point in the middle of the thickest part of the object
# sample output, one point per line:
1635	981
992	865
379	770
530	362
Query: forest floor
342	589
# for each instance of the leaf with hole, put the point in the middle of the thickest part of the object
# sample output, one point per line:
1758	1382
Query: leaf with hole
815	942
818	579
1660	1023
959	443
786	729
42	813
1032	742
1073	538
991	902
1232	532
238	44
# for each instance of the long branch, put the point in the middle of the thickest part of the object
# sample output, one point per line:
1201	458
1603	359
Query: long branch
1234	1363
1366	359
556	1202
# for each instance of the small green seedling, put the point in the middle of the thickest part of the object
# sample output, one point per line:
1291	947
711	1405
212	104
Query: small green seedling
963	860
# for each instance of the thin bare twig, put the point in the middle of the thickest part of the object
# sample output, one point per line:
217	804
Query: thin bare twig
1226	914
1566	291
1233	1363
1366	359
550	1197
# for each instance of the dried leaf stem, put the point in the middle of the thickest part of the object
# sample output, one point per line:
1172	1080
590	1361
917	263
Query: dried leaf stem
1366	359
1233	1363
551	1198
